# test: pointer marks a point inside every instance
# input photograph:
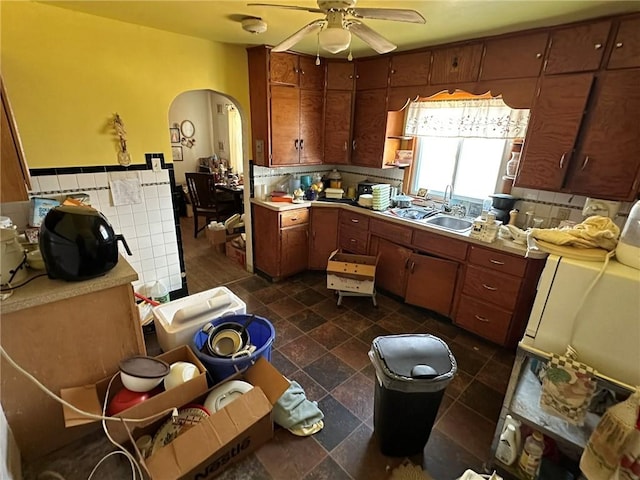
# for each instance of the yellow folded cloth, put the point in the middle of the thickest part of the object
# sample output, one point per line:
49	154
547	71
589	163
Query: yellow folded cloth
594	232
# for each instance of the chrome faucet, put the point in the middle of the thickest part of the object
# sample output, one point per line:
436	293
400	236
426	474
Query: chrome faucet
446	200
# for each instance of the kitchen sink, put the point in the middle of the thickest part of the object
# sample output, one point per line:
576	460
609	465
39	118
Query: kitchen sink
412	213
450	223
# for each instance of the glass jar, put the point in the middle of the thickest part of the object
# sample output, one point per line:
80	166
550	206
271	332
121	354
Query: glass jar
628	249
512	164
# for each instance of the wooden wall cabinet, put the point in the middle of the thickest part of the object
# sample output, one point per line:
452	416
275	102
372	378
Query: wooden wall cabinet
514	57
372	73
340	75
577	48
323	237
281	241
409	69
626	46
15	174
338	108
457	64
369	128
295	70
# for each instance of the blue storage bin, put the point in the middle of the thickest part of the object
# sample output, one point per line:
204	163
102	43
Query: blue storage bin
261	333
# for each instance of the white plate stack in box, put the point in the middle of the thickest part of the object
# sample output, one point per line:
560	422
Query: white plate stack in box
177	321
381	195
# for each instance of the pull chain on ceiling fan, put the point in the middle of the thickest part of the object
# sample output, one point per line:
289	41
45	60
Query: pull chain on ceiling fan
334	31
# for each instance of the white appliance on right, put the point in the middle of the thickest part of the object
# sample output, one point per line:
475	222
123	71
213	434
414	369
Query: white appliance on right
605	329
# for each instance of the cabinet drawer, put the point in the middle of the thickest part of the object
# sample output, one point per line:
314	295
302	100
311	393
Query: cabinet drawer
498	289
486	320
354	239
288	218
434	243
501	262
391	231
354	220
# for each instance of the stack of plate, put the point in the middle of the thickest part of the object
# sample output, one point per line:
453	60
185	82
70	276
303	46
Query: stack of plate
381	194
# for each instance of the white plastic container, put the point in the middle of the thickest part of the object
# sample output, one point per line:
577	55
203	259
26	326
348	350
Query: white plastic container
628	248
177	321
506	451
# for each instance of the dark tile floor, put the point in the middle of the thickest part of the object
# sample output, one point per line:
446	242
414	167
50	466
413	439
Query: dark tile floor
324	348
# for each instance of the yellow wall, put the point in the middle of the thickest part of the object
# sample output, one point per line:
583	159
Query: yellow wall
67	73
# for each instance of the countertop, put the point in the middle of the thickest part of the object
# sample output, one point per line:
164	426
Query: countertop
500	244
43	290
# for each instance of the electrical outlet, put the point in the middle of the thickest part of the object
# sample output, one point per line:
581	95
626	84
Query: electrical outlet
156	165
605	208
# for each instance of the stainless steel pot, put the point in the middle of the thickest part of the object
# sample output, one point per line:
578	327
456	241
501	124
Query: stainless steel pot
402	201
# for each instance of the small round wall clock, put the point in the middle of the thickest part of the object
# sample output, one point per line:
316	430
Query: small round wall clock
187	129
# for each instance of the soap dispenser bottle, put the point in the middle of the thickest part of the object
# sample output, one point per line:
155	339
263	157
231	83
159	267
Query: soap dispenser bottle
628	249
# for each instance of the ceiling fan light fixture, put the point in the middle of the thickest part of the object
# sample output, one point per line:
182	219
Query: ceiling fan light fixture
334	40
254	25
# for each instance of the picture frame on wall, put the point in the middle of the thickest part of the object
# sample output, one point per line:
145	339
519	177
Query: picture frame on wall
174	133
176	153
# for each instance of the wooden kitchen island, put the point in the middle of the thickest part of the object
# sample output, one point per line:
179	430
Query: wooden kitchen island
65	334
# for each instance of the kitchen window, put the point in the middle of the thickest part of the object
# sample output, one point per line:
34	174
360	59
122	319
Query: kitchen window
462	142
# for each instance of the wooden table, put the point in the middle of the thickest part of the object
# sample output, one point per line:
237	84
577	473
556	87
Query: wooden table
236	192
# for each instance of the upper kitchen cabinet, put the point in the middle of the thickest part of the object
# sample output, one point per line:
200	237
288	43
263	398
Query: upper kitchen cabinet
369	128
340	75
577	49
607	163
15	175
409	69
626	46
296	70
514	57
552	131
372	73
456	64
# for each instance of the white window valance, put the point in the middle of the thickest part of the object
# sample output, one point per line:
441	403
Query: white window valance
473	118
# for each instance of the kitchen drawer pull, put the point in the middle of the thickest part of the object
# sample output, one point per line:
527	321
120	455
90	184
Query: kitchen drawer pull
295	144
482	319
586	161
413	265
497	262
562	160
597	46
538	55
352	240
345	146
355	220
406	264
293	219
489	287
619	45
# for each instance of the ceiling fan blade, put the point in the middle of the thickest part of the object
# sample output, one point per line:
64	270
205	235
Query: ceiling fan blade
288	7
397	14
296	37
370	37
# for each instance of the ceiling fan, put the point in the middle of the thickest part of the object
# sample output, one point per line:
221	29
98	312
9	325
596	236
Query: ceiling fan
336	28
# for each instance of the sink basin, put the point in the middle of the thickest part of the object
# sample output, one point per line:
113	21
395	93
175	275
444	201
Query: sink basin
413	213
450	223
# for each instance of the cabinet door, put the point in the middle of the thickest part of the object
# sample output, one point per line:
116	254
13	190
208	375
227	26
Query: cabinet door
410	69
552	131
431	283
514	57
372	73
14	171
340	75
626	48
369	127
311	123
456	64
311	75
577	49
294	248
608	163
337	126
391	271
284	68
266	251
285	120
324	236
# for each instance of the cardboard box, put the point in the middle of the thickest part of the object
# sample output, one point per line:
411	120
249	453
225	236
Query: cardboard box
237	254
351	273
225	437
90	397
216	237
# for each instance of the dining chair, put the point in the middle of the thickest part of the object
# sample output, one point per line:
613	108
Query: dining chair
205	202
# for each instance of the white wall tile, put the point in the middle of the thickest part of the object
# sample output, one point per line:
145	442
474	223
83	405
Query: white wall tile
145	253
101	179
150	191
86	180
172	248
168	227
68	182
164	191
173	259
152	203
160	261
148	176
155	229
144	241
169	238
176	282
49	183
126	220
128	232
578	200
562	198
139	207
530	194
124	210
154	216
148	264
162	176
142	230
167	214
159	250
544	196
105	198
162	273
140	218
35	185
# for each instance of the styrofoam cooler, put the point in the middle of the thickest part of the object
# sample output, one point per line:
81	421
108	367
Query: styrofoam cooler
177	321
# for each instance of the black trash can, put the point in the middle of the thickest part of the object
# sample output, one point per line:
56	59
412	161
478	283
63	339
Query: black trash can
412	373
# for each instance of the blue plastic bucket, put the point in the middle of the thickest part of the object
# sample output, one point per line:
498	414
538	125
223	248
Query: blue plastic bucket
262	335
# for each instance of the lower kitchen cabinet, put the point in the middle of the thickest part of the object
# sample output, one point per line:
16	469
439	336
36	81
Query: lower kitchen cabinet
353	235
391	270
431	283
281	241
323	238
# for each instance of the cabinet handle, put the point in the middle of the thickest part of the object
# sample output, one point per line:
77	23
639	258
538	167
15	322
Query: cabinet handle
352	240
353	145
619	45
538	55
350	77
597	46
357	76
393	71
413	265
482	319
295	70
497	262
454	64
295	144
314	235
301	72
355	220
345	145
562	160
406	264
584	164
294	219
301	143
489	287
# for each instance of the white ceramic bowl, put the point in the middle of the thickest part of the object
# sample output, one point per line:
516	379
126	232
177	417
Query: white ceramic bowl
139	384
179	373
224	394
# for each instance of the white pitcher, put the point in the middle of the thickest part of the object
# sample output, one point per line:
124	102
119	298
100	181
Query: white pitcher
11	257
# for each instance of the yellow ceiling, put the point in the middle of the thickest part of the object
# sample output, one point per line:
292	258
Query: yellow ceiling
447	20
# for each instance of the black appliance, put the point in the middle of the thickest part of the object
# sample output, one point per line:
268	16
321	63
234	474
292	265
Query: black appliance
501	205
366	187
78	243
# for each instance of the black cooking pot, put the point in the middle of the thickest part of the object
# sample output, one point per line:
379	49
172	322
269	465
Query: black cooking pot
503	201
78	243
